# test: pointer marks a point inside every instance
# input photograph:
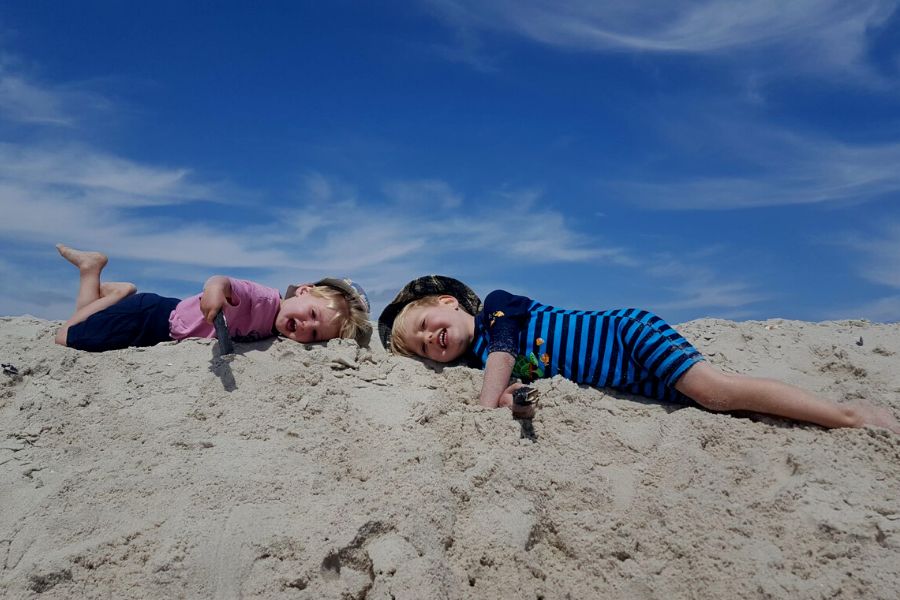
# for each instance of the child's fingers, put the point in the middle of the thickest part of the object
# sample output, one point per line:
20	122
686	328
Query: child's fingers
209	311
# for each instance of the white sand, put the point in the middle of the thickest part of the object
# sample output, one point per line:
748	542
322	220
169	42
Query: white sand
333	472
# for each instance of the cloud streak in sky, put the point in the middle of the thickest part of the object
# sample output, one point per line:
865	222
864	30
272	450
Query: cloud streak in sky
23	102
767	164
817	34
831	173
114	180
880	253
706	26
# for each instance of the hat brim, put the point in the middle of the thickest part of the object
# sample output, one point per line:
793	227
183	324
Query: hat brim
339	284
429	285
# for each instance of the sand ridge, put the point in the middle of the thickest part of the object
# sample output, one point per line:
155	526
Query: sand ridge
331	471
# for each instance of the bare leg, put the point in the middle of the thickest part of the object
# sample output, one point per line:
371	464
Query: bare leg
720	391
89	264
93	296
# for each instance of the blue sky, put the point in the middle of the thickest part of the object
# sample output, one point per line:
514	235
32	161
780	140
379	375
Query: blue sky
711	158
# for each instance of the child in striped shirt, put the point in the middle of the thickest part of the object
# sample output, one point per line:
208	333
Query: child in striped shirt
630	350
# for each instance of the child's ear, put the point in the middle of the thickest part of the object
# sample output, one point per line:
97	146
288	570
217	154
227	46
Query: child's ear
302	289
448	300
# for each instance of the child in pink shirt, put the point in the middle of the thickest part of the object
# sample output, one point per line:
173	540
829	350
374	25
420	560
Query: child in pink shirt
111	315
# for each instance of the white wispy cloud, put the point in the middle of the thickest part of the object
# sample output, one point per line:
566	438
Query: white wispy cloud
768	165
886	309
91	199
709	293
60	189
691	283
878	251
109	179
411	225
20	101
425	190
828	33
27	102
875	256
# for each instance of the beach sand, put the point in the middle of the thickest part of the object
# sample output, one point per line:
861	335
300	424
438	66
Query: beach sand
293	471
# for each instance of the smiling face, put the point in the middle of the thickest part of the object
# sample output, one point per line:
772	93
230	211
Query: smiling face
441	332
305	317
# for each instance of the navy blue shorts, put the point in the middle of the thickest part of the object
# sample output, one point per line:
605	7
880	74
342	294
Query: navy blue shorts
138	320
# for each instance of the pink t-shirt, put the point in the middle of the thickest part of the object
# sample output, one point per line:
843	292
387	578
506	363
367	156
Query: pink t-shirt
251	318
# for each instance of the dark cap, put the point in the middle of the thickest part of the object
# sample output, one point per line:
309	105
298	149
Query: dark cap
429	285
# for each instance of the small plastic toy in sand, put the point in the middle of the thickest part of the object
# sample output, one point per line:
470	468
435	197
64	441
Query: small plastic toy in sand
226	346
525	396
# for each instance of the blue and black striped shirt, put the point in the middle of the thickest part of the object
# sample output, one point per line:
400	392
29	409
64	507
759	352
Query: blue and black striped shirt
628	349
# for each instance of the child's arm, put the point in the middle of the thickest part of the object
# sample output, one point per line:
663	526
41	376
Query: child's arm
216	292
496	391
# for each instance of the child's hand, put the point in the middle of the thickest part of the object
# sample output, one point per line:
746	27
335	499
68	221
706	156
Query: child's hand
519	412
216	293
211	302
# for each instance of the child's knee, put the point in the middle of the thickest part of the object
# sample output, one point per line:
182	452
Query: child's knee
118	289
62	335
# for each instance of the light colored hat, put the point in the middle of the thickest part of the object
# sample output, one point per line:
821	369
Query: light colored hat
352	292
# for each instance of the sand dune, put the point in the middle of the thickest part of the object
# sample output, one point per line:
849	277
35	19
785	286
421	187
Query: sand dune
294	471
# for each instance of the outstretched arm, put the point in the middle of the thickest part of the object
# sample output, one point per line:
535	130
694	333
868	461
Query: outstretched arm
496	391
496	378
216	292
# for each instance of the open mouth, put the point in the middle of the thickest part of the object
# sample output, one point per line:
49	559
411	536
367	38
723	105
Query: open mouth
292	325
442	338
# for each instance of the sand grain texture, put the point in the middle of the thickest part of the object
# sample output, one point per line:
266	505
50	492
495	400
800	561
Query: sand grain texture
297	471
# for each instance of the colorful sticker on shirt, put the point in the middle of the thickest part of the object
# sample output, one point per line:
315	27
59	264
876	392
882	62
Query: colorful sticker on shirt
528	368
496	315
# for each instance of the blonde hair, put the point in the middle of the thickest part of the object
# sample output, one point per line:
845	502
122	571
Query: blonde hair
398	344
354	318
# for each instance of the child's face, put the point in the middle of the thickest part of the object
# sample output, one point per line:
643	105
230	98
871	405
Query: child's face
441	333
307	318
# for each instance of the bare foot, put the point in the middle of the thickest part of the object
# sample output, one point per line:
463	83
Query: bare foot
878	416
85	261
